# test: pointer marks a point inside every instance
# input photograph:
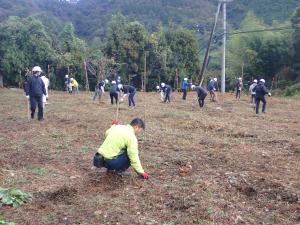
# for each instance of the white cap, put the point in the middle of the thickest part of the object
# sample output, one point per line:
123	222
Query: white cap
193	86
67	76
157	87
255	81
120	86
185	79
163	84
240	78
36	69
113	82
262	80
71	79
215	79
106	81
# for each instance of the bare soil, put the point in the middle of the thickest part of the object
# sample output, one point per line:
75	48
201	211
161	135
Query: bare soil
222	164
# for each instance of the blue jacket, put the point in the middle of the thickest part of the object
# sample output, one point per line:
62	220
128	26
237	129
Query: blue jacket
211	85
35	87
185	85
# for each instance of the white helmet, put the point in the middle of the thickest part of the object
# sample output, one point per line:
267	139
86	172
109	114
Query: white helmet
67	76
157	87
193	87
215	79
262	80
185	79
162	84
119	78
106	81
71	79
240	78
36	69
113	82
120	86
255	81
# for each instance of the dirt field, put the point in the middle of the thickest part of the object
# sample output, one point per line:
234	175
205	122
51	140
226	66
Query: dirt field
219	165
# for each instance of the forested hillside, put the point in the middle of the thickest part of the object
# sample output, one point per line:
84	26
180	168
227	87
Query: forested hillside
115	37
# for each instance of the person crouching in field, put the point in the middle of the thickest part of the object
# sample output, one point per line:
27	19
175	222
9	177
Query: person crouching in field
201	94
34	92
119	150
74	85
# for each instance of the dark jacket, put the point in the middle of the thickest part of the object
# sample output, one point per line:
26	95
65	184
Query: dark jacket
128	89
113	88
35	87
201	92
260	90
167	88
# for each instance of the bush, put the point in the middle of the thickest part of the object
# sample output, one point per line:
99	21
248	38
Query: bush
293	90
14	197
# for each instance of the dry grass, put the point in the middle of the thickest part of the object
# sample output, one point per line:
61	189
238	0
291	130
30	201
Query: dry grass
208	166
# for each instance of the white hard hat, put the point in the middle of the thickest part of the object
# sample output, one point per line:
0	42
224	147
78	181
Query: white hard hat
240	78
215	79
106	81
71	79
193	86
255	81
185	79
157	87
36	69
120	86
67	76
162	84
262	80
113	82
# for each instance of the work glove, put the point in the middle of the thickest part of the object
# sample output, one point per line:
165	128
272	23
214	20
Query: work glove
145	175
269	94
115	122
27	96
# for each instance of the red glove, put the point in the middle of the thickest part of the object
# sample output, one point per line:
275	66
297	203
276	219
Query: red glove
145	175
115	122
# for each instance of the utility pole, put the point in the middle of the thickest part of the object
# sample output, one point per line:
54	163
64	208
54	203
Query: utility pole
224	2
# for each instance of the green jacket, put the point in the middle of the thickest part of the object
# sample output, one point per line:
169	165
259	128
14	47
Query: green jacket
120	137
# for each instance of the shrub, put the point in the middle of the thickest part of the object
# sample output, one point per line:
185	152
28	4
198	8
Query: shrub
14	197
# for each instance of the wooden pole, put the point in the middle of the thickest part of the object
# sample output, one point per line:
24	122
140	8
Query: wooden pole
87	87
145	74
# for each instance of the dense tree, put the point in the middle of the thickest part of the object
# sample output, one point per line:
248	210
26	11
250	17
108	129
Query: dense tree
296	41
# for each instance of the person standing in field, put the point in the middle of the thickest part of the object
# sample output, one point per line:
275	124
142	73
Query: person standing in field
113	92
99	89
119	150
46	83
252	92
34	92
212	89
184	88
167	89
260	92
238	86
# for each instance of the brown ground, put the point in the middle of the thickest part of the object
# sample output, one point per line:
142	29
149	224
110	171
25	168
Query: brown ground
211	166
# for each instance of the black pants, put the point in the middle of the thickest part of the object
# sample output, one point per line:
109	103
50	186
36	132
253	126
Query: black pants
36	100
201	100
184	94
113	95
131	99
167	96
257	100
238	94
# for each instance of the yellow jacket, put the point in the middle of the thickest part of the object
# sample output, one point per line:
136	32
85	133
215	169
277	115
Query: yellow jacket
120	137
74	83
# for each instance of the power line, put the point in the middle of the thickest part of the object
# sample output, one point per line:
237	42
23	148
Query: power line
262	30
